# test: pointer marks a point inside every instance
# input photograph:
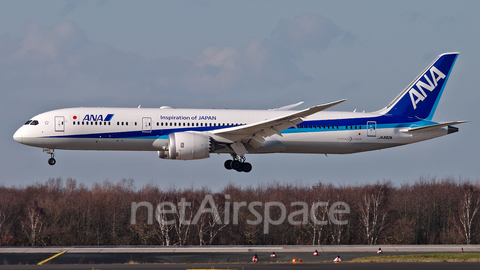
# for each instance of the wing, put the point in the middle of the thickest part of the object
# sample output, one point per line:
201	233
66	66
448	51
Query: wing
255	133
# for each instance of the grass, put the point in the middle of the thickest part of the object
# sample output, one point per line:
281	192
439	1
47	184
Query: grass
440	257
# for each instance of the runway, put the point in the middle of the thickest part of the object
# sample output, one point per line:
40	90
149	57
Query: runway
220	257
344	266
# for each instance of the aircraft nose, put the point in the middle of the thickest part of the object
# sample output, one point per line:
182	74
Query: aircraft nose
18	136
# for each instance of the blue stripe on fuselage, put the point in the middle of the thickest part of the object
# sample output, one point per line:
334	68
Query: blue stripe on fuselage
382	121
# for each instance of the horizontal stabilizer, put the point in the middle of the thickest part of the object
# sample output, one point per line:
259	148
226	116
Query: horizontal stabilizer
431	127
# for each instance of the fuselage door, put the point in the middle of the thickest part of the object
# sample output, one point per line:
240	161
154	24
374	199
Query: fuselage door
59	123
371	129
146	125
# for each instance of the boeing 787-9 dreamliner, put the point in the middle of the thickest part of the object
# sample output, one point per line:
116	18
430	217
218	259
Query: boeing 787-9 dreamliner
188	134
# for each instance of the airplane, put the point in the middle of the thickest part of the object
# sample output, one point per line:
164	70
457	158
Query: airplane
189	134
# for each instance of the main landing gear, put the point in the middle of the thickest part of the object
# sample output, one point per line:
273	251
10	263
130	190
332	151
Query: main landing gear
238	164
51	160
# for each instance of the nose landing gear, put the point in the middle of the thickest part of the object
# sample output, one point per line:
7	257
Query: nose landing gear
51	160
238	164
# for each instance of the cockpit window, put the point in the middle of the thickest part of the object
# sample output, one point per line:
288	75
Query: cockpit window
28	122
34	123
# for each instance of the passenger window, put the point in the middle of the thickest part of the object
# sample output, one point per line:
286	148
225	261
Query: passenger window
126	123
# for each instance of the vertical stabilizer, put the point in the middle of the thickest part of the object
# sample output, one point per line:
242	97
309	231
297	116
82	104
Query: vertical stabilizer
420	98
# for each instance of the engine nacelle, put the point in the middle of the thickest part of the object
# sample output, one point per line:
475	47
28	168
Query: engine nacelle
188	146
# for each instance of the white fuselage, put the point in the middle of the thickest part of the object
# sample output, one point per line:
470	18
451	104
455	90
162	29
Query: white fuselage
137	129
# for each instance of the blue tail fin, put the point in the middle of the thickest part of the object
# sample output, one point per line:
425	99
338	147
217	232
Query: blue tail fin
420	98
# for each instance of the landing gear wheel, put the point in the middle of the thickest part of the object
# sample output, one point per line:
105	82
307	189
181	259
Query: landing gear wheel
50	151
247	167
240	169
52	161
228	164
236	165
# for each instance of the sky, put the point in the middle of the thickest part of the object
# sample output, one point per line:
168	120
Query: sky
237	55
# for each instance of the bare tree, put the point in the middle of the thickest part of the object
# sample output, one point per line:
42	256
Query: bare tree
166	226
33	224
338	227
215	221
5	236
373	212
468	206
208	219
183	217
318	221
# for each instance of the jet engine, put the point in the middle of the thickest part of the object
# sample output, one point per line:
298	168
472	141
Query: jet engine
187	146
